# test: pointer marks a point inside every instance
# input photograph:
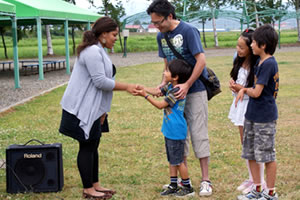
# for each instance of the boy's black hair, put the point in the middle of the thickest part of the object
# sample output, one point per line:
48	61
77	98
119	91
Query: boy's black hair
180	68
238	61
266	35
162	8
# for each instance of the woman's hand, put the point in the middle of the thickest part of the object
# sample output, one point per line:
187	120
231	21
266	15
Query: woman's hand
131	88
102	118
141	93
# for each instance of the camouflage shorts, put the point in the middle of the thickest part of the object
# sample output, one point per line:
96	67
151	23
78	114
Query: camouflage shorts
259	141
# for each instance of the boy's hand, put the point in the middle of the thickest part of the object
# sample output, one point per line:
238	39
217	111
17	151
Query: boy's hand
137	89
141	93
156	92
240	96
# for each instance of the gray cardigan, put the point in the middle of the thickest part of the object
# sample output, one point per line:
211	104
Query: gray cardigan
89	91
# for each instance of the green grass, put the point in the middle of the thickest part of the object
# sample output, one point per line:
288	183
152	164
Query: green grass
136	43
132	155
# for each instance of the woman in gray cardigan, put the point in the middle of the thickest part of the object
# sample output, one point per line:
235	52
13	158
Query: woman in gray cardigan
88	98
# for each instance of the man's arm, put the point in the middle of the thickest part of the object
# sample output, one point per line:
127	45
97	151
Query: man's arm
199	66
163	82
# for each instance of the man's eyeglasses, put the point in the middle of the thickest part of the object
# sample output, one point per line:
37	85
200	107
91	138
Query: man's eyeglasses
158	23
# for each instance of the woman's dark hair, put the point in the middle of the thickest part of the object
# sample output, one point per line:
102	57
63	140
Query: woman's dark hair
181	69
267	35
238	61
161	7
102	25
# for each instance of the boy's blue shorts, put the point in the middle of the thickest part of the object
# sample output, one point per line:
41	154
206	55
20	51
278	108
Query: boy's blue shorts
175	151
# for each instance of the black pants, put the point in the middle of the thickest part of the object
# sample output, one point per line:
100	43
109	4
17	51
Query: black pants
87	162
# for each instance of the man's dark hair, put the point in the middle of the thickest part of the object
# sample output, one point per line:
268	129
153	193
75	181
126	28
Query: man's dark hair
181	69
266	35
162	8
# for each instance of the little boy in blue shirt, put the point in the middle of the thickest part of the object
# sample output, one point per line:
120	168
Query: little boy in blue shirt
261	114
174	127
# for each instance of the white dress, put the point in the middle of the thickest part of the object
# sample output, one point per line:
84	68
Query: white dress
237	114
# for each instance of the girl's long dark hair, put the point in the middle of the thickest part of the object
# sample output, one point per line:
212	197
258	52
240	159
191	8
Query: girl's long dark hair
238	61
102	25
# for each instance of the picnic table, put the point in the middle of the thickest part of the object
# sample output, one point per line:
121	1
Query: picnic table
47	64
34	64
6	62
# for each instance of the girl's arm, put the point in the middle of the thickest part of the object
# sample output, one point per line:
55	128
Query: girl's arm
251	92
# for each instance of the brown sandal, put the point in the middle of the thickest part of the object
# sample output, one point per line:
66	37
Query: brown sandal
111	192
89	196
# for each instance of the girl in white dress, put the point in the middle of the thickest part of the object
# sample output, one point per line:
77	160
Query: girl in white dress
242	75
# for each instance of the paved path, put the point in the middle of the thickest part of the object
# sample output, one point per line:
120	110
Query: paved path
31	86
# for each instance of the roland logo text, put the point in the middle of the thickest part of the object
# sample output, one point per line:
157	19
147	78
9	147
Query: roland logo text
32	155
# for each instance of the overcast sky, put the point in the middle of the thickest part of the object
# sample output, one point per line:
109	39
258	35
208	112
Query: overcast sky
131	6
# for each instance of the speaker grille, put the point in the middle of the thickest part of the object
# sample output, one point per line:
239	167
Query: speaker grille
30	171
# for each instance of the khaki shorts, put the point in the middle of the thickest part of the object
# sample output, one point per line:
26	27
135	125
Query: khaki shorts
196	115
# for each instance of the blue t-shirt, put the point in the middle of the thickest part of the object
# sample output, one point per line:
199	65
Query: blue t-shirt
186	40
264	109
174	126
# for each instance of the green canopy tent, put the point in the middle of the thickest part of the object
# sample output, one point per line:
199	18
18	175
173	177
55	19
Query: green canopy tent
7	9
38	12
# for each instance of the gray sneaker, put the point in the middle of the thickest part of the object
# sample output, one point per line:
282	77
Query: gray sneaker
251	195
266	196
185	192
169	191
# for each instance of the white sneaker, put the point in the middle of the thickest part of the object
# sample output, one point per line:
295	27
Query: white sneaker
246	184
248	189
205	188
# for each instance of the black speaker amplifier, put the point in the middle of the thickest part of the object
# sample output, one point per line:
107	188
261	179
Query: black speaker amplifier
34	168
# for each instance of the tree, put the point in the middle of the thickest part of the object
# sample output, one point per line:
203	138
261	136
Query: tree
2	32
49	41
73	30
260	11
137	22
195	5
296	5
115	11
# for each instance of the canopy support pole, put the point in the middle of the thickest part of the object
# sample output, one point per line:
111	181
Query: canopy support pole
15	50
39	35
88	26
67	47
